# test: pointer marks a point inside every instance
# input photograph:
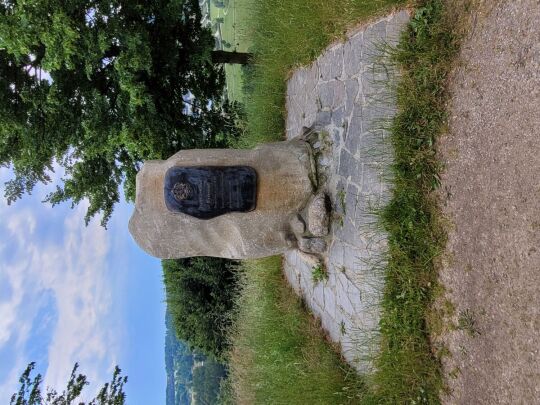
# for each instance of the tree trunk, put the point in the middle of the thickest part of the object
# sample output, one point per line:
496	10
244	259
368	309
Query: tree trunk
242	58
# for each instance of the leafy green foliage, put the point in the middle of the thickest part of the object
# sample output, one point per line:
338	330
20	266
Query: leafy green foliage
319	273
206	381
189	372
120	74
200	295
112	393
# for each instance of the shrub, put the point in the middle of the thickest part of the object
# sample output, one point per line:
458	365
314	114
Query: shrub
200	294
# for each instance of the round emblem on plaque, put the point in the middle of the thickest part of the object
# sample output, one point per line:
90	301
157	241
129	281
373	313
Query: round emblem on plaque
182	191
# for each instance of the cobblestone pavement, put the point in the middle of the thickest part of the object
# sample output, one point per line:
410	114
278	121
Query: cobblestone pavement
345	94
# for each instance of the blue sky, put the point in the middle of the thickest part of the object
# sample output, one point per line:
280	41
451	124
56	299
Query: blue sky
71	293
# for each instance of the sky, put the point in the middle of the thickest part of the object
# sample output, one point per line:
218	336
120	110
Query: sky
74	293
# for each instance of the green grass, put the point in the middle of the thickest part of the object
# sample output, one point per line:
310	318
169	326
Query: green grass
280	355
407	369
233	32
287	34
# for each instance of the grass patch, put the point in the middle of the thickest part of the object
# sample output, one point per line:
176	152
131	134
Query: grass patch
232	20
407	369
280	355
287	34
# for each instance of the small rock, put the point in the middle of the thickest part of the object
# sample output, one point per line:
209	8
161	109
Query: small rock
325	161
298	225
318	218
312	245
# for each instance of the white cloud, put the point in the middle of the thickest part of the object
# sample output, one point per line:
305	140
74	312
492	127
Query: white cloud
75	269
80	334
9	316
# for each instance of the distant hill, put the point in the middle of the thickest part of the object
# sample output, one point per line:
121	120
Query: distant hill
181	364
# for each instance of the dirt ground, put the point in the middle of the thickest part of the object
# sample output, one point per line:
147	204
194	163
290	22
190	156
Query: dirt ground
491	188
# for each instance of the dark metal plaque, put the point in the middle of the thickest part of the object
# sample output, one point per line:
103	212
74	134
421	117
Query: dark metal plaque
209	191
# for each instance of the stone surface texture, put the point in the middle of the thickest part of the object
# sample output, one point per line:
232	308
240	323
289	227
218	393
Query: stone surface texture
283	190
346	95
318	219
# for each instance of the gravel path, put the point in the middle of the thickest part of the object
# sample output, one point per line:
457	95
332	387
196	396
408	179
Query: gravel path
492	196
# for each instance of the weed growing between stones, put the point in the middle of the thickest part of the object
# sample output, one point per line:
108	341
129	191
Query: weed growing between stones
319	273
342	328
341	195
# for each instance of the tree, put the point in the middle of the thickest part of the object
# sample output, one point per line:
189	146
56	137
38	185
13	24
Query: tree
200	294
241	58
206	381
112	393
101	85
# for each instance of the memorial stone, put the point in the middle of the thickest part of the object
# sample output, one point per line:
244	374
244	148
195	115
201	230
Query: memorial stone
228	203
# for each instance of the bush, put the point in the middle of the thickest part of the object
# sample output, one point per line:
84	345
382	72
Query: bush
200	294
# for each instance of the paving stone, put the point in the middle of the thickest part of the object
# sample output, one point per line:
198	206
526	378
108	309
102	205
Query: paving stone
331	64
306	285
339	95
352	87
309	113
354	135
330	306
347	163
372	147
373	85
336	254
374	42
386	191
318	293
291	272
333	328
323	119
371	181
337	138
345	305
338	232
351	200
355	119
326	95
297	82
346	93
350	259
341	280
318	312
352	55
355	299
395	27
338	117
375	117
